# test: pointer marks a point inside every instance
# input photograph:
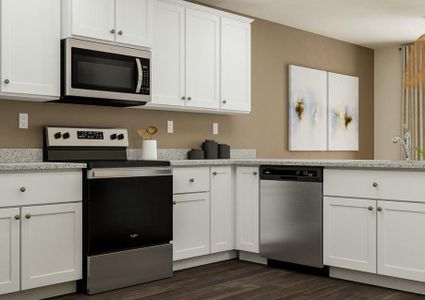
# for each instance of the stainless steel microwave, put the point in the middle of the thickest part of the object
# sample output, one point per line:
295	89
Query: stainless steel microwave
103	74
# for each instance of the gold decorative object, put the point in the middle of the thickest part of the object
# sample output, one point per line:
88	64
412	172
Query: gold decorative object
299	108
415	67
146	134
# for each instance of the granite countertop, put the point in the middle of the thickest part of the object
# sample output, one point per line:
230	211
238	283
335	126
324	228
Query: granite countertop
330	163
31	166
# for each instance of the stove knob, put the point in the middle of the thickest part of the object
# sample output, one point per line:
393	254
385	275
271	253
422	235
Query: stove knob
113	136
66	135
121	136
58	135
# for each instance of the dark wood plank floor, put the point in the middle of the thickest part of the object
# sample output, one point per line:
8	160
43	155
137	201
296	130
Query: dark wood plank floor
241	280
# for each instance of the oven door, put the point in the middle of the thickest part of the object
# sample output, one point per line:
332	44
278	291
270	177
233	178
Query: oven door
102	71
128	209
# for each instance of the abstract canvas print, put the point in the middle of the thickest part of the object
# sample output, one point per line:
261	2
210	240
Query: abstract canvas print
343	112
307	109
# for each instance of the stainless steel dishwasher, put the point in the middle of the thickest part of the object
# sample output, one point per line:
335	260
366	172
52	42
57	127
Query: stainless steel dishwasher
291	224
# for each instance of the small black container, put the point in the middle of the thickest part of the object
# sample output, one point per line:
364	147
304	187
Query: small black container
223	151
196	154
210	148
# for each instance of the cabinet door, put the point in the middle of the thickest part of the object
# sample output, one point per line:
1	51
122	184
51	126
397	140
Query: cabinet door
350	233
202	59
168	57
93	19
247	209
235	65
134	22
191	229
9	250
30	47
51	240
401	240
222	210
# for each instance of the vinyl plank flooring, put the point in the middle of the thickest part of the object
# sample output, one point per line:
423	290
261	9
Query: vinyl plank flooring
246	281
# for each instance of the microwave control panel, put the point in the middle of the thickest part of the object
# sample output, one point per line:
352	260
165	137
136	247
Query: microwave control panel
146	81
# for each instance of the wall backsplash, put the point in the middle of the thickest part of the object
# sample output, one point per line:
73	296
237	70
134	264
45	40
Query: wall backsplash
274	47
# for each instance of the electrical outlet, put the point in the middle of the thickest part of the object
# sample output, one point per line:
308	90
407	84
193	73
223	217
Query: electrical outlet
215	128
170	126
23	120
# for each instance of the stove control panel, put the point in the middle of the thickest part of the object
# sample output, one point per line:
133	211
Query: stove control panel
86	137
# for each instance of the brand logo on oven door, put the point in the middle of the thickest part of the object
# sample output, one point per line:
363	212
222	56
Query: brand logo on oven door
134	235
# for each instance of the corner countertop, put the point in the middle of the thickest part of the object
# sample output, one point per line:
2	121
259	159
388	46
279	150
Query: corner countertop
35	166
330	163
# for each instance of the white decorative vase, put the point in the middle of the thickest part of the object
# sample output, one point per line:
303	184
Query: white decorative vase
150	151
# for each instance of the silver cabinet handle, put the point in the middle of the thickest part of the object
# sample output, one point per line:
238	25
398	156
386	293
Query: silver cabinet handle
23	189
17	217
192	179
379	209
112	31
370	208
6	81
375	184
28	216
120	32
255	173
183	97
214	173
224	101
174	202
189	98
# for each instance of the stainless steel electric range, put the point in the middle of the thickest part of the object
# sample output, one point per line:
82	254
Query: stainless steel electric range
127	208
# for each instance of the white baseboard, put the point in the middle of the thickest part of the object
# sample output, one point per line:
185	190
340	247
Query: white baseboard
43	292
203	260
379	280
252	257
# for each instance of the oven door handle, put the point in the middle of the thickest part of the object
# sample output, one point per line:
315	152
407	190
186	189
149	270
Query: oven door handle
129	172
140	75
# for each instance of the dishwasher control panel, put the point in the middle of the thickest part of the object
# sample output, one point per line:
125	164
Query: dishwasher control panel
292	173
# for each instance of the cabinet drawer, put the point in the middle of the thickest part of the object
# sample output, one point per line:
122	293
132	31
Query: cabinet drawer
28	188
391	185
191	180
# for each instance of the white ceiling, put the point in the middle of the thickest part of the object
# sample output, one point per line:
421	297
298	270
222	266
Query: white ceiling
370	23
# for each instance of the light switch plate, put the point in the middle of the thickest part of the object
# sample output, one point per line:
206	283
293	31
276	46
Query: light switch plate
23	121
170	126
215	128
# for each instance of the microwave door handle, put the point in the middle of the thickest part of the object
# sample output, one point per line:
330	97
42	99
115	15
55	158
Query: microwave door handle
140	75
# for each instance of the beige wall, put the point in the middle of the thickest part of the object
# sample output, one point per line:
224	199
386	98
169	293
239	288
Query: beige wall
274	47
388	92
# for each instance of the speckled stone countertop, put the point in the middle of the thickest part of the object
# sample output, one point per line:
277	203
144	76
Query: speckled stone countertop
375	164
36	166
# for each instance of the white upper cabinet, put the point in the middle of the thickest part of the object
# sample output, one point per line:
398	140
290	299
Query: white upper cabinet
401	242
134	22
9	250
235	65
30	48
247	209
202	59
222	210
168	57
51	244
93	18
121	21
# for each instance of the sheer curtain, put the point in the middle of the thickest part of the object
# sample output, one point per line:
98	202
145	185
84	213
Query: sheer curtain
413	103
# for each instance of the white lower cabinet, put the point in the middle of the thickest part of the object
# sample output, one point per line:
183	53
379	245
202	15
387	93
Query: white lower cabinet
376	236
401	240
222	210
51	244
9	250
350	233
191	225
247	209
